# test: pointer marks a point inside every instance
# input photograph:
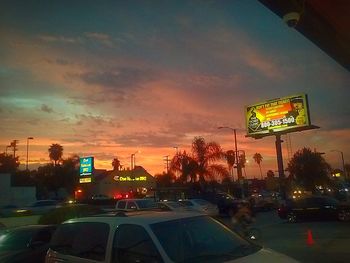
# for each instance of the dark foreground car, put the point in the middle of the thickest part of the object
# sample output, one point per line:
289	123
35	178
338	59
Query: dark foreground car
314	208
25	244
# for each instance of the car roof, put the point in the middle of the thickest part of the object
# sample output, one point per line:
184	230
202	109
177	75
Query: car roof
139	217
134	199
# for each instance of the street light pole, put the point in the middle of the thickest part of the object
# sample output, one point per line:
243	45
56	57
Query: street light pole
343	163
29	138
133	160
238	165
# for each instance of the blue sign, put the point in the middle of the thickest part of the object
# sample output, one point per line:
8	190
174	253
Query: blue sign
86	166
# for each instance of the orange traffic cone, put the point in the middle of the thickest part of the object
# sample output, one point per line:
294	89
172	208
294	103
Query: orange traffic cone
309	241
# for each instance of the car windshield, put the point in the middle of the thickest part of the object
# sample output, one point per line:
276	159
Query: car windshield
200	239
146	203
16	239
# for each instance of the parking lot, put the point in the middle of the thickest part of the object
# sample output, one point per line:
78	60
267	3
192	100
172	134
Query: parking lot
326	241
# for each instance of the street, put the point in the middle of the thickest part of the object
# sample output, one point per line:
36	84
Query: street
327	241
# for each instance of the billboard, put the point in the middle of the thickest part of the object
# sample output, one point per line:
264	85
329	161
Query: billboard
86	166
280	115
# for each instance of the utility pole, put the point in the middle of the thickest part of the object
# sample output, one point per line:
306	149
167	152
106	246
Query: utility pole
14	147
166	159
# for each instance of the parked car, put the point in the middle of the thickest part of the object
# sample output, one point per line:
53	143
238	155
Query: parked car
135	204
314	208
25	244
173	206
201	205
40	207
263	201
153	236
225	202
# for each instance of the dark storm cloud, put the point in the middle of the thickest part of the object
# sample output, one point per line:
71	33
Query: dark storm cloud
117	79
46	108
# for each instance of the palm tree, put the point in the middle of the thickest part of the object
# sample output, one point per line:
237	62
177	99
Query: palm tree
258	159
200	165
55	153
185	165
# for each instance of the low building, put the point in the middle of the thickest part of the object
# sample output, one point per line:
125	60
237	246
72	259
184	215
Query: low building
15	195
117	184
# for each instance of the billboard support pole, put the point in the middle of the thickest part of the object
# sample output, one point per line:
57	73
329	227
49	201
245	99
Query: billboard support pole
280	166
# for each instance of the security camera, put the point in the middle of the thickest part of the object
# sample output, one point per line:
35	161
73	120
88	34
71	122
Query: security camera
291	19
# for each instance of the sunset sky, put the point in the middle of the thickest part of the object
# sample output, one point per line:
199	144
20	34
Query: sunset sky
109	78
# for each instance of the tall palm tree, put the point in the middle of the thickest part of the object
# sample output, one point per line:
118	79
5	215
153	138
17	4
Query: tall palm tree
200	164
185	165
55	153
258	159
205	155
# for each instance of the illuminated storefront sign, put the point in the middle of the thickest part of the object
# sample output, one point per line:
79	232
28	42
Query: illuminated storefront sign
86	166
129	178
283	114
85	180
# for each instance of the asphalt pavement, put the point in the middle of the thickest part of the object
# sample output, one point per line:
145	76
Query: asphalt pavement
325	241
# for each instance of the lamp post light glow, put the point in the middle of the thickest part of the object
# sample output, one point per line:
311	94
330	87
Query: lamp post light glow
29	138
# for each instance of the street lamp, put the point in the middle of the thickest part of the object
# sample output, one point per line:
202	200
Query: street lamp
239	171
342	159
238	165
29	138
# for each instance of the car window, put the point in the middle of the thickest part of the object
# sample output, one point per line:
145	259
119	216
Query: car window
131	205
84	240
193	239
43	235
121	204
146	203
133	244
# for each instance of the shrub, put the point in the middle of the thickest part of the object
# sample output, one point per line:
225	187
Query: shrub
59	215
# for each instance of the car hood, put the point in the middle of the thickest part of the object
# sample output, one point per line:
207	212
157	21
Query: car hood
265	256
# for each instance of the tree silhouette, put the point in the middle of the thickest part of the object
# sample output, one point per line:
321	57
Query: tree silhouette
116	164
55	153
185	165
309	168
200	164
8	164
258	159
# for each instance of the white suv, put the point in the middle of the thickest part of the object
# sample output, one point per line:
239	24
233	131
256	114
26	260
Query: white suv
153	237
135	204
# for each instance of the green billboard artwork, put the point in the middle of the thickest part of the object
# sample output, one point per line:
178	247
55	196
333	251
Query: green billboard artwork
86	166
